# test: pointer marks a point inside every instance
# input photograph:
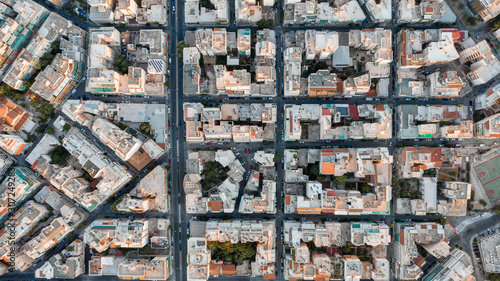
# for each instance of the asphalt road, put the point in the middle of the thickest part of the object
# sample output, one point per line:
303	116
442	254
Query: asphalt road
176	29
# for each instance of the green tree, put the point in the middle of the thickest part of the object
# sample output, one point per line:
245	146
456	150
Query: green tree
265	23
180	48
207	4
340	180
365	188
145	127
213	174
482	202
122	64
494	276
59	156
442	221
50	130
31	138
67	127
14	94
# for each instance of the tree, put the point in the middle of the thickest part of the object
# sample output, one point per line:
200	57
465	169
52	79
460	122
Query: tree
180	48
59	156
50	130
494	276
207	4
340	180
31	138
40	129
67	127
482	202
365	188
213	174
265	23
122	64
145	127
14	94
442	221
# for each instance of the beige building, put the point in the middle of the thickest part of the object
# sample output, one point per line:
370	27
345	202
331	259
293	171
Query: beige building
484	64
122	143
121	233
488	128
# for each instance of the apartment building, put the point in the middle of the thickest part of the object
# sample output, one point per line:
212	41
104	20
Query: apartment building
249	11
322	84
488	128
150	194
111	176
444	84
320	44
152	11
486	9
16	29
122	233
65	221
457	266
205	124
19	184
484	64
244	41
489	99
292	71
101	11
13	144
121	142
413	161
408	262
25	64
362	122
434	121
263	233
24	220
374	165
195	13
372	234
222	197
143	268
379	11
378	44
429	11
15	118
68	264
311	11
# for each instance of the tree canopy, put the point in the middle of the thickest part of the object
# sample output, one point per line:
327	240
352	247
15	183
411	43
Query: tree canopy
59	156
237	253
122	64
213	174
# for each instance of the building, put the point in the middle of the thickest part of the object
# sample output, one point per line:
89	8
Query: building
222	197
413	161
378	44
101	11
68	264
121	233
488	128
457	266
14	118
5	163
20	182
338	121
444	84
261	232
320	44
322	84
248	11
25	220
13	144
212	123
374	165
371	234
195	13
292	71
54	27
434	121
55	82
109	177
150	194
484	64
408	262
429	11
486	9
490	99
488	248
144	268
379	11
121	142
440	52
311	12
152	11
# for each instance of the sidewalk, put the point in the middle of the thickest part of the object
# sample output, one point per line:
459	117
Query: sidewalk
465	223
